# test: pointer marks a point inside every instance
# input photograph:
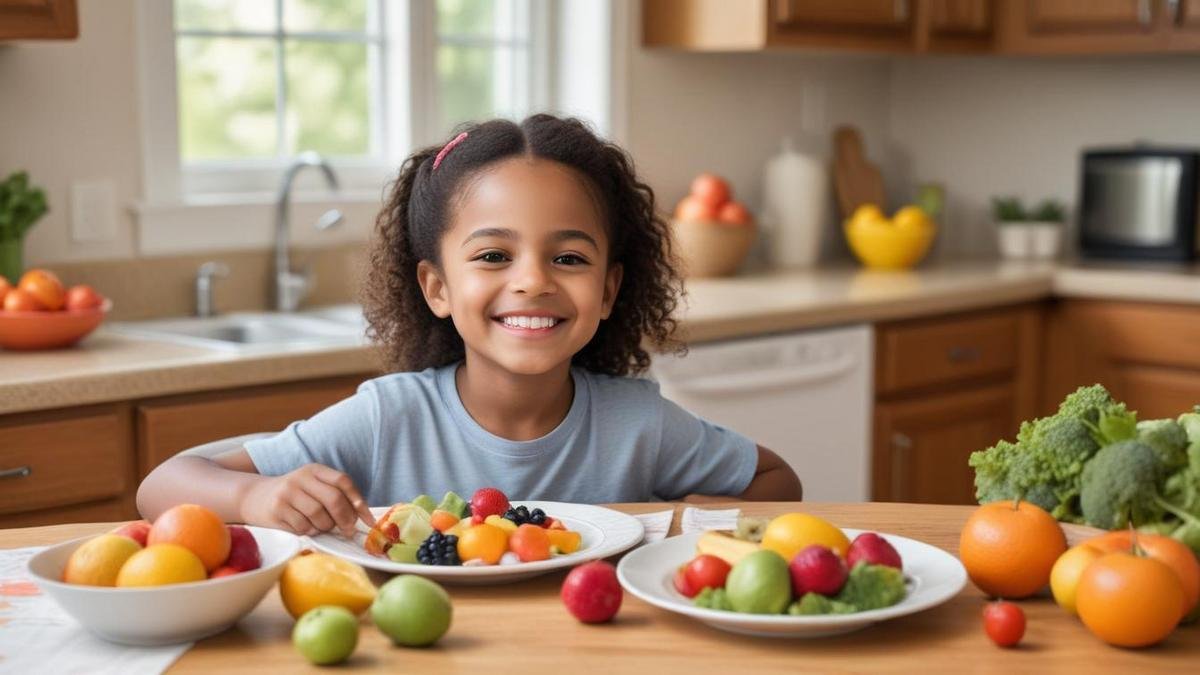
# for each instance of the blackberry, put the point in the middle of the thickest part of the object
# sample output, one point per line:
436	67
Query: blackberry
521	515
439	549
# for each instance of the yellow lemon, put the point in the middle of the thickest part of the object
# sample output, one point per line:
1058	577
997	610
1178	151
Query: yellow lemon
790	533
866	214
317	579
912	218
1067	570
99	559
161	564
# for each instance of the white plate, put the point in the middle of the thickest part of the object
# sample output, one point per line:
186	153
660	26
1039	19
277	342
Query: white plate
603	532
932	577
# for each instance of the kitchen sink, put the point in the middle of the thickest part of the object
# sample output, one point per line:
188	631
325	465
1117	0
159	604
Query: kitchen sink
254	331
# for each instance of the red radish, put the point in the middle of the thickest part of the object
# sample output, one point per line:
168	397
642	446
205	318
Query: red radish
872	548
817	569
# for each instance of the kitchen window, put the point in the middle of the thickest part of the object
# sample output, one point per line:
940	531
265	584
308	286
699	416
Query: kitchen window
234	88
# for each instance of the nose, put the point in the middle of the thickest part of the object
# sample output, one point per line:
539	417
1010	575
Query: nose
532	277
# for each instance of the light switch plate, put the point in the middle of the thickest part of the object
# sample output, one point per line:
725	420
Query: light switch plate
93	211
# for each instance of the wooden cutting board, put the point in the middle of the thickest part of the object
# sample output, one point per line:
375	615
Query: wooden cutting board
856	180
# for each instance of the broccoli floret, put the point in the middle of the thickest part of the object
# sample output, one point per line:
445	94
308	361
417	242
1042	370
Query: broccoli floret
1120	486
1168	439
872	587
815	603
712	598
1191	425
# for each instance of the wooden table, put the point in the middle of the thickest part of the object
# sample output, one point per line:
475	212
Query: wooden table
524	627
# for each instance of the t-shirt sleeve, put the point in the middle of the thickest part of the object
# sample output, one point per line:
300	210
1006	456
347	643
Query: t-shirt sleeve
342	436
699	457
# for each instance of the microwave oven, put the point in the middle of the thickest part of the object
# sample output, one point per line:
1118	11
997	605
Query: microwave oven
1139	203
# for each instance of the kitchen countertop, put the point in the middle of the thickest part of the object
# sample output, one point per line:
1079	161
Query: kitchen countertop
524	626
111	367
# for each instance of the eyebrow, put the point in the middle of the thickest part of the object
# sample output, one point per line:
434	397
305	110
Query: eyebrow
506	233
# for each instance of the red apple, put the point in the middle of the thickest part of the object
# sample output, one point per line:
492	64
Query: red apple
693	209
734	213
138	530
872	548
817	569
243	550
592	593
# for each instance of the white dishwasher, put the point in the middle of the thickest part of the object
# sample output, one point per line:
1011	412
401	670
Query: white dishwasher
807	396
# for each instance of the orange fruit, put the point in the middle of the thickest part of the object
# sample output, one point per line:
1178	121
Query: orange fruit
1129	601
1009	550
567	541
45	286
530	543
313	579
17	300
161	564
195	528
443	520
1172	552
484	541
5	287
788	534
82	297
1067	571
98	560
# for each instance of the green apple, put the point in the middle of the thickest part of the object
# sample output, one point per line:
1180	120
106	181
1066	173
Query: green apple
759	584
404	552
414	611
425	502
325	635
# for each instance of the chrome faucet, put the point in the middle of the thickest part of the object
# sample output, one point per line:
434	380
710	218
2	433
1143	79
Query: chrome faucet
291	287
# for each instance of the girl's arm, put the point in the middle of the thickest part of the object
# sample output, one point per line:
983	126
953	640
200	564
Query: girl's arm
313	498
774	480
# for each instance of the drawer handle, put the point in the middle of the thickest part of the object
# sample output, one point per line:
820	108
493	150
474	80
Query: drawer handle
19	472
963	354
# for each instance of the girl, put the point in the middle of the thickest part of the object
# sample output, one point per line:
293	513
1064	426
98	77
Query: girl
516	272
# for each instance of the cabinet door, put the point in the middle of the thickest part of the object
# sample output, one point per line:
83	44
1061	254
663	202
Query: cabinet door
1082	16
38	20
922	444
1082	26
168	426
864	24
1184	19
955	26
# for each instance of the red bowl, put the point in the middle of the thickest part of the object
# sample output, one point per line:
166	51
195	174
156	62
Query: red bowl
49	330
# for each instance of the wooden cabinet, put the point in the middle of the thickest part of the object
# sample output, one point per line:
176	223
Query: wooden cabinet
866	24
1144	354
167	426
954	26
1098	26
38	20
77	461
946	387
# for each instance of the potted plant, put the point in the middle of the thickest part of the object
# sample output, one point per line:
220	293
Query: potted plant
1024	234
21	204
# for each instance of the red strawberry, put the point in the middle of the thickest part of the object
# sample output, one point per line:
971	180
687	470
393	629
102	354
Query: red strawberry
488	502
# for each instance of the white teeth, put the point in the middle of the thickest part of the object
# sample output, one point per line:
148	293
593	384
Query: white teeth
530	322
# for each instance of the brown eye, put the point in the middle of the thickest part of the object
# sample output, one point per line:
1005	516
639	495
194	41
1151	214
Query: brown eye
570	259
492	257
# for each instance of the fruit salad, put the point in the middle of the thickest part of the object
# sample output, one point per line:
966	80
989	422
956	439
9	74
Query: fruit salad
487	530
795	564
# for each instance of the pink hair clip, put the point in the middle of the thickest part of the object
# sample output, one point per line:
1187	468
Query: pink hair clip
449	146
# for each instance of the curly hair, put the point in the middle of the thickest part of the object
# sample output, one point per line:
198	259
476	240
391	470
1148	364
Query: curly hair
420	206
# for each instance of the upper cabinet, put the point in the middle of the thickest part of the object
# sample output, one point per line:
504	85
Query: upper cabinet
38	20
926	26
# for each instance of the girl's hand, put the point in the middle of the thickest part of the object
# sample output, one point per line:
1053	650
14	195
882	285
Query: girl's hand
314	498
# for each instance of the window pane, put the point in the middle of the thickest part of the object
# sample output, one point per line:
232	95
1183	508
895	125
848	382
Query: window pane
226	97
464	85
325	15
465	17
256	15
328	108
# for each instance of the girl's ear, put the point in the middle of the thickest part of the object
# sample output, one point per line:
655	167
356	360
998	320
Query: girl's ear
612	284
433	287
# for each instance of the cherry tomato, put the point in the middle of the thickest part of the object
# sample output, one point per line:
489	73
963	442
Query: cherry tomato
1004	623
682	584
706	571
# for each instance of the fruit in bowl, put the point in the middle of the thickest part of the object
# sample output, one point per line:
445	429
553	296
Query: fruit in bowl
132	593
899	242
40	312
713	231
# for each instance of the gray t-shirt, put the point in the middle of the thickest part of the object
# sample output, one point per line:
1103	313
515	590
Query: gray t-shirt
407	434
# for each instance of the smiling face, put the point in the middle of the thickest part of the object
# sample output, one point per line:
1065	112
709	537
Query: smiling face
524	270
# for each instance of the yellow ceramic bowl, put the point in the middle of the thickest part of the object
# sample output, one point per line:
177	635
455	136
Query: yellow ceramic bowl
883	246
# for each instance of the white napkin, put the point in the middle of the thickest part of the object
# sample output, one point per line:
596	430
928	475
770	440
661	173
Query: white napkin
657	524
696	520
37	636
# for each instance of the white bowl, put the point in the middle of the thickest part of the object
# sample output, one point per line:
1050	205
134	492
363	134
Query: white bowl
159	615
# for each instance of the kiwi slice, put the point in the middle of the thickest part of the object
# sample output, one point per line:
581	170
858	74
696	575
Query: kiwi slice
750	529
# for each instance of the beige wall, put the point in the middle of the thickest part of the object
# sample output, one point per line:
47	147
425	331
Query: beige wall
988	126
69	112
